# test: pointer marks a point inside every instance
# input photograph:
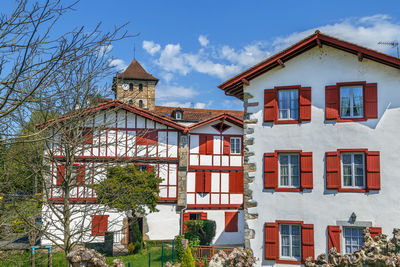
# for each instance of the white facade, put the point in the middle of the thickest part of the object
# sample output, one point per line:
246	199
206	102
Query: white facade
317	68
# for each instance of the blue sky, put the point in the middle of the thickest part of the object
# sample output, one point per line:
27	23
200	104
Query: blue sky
193	46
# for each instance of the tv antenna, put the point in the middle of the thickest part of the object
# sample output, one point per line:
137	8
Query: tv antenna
392	44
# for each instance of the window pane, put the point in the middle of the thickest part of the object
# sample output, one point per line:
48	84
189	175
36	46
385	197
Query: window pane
283	159
294	159
358	159
285	251
284	229
346	169
285	240
357	101
344	101
295	181
296	252
359	181
295	230
347	181
284	180
346	158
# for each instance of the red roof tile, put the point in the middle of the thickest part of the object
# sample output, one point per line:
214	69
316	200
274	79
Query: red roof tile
195	114
136	71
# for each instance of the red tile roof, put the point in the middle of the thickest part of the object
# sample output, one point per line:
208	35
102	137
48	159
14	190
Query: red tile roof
136	71
195	114
234	86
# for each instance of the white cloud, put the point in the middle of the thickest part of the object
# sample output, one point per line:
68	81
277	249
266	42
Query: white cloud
151	47
118	63
232	103
171	92
185	104
365	31
203	40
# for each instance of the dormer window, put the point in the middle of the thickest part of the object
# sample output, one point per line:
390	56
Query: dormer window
140	87
178	115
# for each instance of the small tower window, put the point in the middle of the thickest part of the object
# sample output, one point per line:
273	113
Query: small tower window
130	86
140	103
140	87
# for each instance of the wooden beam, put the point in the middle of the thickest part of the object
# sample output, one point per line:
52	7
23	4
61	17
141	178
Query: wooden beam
319	43
280	62
360	56
245	81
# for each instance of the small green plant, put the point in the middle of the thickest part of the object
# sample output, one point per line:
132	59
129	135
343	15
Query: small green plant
131	248
188	260
179	250
17	226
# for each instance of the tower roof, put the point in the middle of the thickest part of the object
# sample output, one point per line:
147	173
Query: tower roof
136	71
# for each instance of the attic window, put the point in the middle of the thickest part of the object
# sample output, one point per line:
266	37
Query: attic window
221	127
178	115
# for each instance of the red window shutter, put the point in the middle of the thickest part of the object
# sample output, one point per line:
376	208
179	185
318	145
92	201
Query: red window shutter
271	239
236	182
150	168
332	102
207	182
199	182
373	171
270	170
186	217
203	216
305	104
371	100
81	174
270	105
60	174
210	142
99	225
334	237
231	221
306	170
307	241
202	144
375	231
227	145
332	170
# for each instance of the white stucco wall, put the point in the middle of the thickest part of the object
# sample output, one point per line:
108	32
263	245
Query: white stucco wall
317	68
163	225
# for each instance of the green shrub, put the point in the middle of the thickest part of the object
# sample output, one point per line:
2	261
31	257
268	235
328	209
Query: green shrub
188	260
200	232
136	238
179	250
131	248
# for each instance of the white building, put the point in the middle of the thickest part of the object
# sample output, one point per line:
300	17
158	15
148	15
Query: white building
197	152
321	139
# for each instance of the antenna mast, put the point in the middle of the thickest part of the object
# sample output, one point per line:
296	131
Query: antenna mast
392	44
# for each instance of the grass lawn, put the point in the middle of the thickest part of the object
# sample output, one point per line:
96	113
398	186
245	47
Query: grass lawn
138	260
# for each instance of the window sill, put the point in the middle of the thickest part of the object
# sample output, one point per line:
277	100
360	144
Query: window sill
288	261
351	119
287	122
352	190
283	189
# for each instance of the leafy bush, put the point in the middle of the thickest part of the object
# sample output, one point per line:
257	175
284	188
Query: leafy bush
179	250
131	248
200	232
188	260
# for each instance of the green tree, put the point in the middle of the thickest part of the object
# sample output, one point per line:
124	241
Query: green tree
188	260
200	232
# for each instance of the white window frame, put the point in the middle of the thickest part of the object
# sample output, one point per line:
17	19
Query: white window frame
237	140
351	116
178	115
290	170
291	257
289	110
353	178
344	238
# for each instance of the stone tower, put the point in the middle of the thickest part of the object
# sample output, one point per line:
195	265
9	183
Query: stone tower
135	86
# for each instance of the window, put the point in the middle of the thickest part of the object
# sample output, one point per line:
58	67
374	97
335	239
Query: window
99	225
203	182
194	216
351	102
130	86
140	103
140	87
142	168
288	103
130	102
289	170
231	221
290	241
236	145
353	238
178	115
353	169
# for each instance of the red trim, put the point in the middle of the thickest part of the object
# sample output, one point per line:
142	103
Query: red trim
226	117
288	261
215	168
220	206
234	86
